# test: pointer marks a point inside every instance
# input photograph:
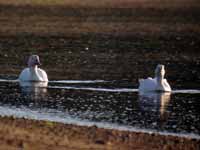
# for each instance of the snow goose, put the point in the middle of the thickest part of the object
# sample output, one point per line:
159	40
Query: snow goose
32	73
158	83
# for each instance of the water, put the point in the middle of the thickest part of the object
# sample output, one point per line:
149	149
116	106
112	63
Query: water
104	104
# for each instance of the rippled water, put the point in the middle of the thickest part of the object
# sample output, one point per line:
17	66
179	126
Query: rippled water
105	103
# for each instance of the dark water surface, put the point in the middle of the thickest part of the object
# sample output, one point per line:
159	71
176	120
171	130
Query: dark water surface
104	103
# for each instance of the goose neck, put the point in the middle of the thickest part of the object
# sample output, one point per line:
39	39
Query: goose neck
33	69
159	79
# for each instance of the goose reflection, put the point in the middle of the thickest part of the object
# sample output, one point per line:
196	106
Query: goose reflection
36	90
155	101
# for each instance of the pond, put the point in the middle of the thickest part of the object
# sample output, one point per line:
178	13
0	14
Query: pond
104	103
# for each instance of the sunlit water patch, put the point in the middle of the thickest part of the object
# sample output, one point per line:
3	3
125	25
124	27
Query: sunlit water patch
78	81
105	105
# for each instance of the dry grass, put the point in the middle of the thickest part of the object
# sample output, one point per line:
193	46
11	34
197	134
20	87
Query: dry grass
107	3
59	27
35	135
61	20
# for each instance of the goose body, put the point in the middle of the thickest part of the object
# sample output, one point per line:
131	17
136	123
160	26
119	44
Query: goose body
32	72
158	83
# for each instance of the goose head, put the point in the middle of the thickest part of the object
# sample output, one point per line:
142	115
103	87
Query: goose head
160	71
33	61
162	84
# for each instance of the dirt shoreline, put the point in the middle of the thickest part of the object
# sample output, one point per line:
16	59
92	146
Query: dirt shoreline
32	135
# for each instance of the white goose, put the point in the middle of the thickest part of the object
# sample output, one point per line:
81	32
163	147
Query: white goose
158	83
33	73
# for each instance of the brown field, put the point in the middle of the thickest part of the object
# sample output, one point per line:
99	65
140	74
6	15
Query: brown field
68	19
109	3
26	134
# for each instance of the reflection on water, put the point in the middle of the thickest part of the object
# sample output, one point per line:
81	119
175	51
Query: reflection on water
164	100
176	112
35	89
157	101
33	84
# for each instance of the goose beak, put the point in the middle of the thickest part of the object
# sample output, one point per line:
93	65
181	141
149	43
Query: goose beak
37	62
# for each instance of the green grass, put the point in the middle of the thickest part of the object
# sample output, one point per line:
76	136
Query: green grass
50	123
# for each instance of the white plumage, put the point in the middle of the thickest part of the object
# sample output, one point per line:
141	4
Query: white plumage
33	73
158	83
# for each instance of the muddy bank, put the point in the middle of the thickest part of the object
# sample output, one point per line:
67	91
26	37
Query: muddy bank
31	134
